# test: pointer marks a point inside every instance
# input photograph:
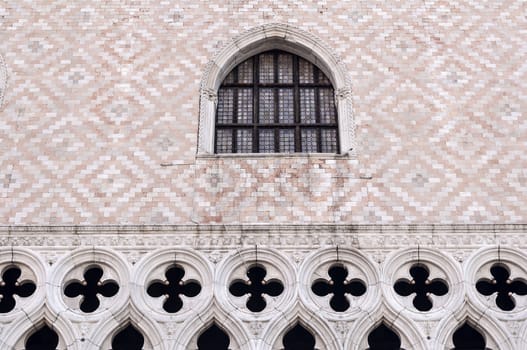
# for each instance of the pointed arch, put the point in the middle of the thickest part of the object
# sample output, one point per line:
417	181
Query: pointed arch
42	338
18	332
298	338
187	336
128	338
383	337
282	37
410	336
325	336
495	336
213	338
467	337
103	334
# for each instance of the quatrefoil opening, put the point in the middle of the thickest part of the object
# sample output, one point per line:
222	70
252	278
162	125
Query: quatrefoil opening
256	287
503	285
90	288
10	286
339	286
421	286
172	288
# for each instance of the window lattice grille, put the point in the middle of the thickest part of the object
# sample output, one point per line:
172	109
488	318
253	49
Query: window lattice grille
276	102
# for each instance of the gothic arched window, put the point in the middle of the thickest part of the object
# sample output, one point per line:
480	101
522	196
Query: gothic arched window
276	102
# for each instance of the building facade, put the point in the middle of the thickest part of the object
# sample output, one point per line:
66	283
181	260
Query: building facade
140	210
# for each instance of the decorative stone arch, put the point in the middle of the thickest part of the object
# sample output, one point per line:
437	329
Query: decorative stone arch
441	265
283	37
33	268
325	337
495	336
16	335
112	263
234	266
411	337
101	338
153	267
188	335
358	265
477	266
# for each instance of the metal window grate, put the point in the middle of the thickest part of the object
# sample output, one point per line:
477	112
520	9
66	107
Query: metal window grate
276	102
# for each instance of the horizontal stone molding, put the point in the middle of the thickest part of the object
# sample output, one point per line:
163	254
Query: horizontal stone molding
207	237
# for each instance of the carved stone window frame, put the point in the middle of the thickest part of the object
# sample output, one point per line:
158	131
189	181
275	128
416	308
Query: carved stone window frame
281	37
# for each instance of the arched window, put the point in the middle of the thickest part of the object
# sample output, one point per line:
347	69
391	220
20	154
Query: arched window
276	102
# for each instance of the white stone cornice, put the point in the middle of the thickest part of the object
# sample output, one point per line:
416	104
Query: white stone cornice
204	237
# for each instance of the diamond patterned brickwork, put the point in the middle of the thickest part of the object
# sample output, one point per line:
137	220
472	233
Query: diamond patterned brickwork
100	115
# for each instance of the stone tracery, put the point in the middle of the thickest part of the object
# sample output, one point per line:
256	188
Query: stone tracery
90	287
10	286
503	286
421	286
335	271
172	288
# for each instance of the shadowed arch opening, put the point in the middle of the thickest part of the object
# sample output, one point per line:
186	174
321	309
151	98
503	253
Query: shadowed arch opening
468	338
128	339
299	338
43	339
383	338
213	338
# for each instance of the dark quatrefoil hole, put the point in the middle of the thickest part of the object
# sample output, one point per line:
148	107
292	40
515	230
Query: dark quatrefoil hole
298	338
256	287
422	286
10	286
172	288
213	339
339	286
128	339
503	285
43	339
90	287
383	338
467	338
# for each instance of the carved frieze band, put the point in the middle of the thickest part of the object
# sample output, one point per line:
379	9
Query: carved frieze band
448	237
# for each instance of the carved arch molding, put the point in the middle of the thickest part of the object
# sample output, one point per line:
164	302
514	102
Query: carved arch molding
172	295
283	37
